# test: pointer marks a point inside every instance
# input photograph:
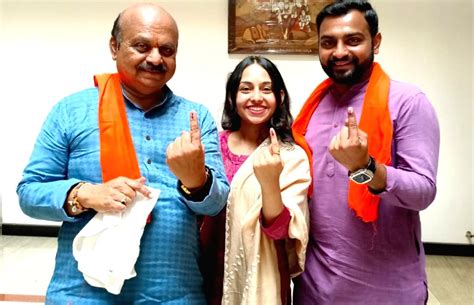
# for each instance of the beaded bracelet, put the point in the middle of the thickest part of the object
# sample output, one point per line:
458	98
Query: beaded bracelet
74	203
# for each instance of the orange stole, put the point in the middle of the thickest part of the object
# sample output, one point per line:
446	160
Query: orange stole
117	153
375	121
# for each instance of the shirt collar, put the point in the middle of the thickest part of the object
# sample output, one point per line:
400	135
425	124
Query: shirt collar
354	90
167	93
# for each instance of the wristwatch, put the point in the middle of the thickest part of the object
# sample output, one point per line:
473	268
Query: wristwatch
199	194
364	175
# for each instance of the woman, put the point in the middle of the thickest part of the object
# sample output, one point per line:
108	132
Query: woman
251	249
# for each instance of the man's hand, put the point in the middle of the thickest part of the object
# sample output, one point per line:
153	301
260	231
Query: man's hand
185	156
349	147
267	164
112	196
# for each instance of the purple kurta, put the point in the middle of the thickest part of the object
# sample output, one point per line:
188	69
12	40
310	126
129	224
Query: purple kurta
382	263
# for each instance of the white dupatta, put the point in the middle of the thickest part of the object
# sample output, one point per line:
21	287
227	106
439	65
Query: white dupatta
251	273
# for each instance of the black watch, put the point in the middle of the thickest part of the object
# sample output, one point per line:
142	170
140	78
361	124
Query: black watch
364	175
200	194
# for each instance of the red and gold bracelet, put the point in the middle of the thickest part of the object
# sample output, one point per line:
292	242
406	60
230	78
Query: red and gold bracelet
74	203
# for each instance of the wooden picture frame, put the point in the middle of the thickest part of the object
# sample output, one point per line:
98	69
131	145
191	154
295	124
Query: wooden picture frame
273	26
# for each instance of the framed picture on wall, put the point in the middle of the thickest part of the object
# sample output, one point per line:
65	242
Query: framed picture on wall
273	26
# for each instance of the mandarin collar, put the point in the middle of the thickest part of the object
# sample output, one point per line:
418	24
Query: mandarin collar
167	93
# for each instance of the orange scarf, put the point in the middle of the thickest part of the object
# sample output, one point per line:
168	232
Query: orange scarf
117	153
375	121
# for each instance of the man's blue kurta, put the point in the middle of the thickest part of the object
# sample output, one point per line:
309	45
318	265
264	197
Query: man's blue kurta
67	151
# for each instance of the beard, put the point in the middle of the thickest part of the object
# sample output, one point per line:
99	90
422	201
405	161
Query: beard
352	76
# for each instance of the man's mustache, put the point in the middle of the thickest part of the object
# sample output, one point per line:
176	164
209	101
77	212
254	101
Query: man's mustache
332	62
153	68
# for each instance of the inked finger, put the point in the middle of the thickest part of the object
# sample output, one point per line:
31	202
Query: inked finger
352	124
195	131
275	145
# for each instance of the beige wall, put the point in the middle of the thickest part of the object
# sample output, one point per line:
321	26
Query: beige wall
52	48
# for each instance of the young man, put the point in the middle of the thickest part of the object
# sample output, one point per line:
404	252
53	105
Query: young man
373	143
101	146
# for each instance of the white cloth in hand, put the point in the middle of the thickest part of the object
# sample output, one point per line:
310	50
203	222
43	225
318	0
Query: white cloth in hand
107	248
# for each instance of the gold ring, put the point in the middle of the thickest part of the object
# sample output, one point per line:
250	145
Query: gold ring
124	200
276	153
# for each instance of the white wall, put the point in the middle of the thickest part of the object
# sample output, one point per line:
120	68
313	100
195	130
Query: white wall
52	48
429	43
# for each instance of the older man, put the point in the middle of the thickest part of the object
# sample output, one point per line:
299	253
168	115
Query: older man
100	147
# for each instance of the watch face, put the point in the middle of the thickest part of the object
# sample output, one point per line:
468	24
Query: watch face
361	177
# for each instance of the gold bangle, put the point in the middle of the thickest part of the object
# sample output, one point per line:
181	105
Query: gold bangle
74	202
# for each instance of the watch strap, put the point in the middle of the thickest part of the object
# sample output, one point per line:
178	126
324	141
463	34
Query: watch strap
371	166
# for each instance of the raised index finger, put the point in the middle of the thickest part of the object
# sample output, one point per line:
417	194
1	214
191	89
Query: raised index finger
194	125
352	124
274	142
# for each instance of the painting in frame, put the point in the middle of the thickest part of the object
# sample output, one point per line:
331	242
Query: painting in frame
273	26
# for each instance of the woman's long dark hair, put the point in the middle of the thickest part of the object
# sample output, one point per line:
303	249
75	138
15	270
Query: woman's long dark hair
281	120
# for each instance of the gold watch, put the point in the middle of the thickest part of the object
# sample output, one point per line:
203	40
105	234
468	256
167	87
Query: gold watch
187	191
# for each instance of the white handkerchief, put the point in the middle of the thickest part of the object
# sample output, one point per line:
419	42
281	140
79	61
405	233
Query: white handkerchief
107	248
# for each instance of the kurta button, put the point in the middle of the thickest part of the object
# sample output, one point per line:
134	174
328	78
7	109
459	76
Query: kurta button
148	138
148	161
335	125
